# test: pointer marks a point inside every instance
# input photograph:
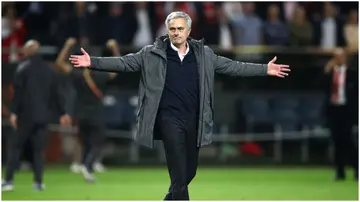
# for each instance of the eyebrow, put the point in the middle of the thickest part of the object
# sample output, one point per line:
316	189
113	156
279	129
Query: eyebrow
176	27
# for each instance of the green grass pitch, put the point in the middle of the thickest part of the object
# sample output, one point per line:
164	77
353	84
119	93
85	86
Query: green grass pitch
209	184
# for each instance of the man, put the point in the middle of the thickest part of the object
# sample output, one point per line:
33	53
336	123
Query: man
341	109
27	153
176	94
111	49
26	157
35	83
89	87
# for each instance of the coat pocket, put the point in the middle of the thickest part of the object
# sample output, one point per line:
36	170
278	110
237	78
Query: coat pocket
208	119
141	106
211	106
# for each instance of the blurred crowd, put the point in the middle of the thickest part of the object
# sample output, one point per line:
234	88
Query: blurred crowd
225	24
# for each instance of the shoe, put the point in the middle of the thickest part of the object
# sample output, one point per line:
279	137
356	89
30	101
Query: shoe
99	167
75	168
168	197
38	187
7	186
87	175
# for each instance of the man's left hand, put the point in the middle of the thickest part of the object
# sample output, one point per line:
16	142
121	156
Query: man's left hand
277	70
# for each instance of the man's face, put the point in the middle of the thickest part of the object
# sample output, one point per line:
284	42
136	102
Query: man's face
178	31
274	11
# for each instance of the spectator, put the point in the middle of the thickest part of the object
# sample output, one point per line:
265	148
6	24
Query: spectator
248	26
13	34
160	15
226	36
232	9
79	24
146	24
289	9
301	31
351	31
38	16
275	31
118	21
210	22
328	30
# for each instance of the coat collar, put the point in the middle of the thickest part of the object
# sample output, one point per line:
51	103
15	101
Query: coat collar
161	44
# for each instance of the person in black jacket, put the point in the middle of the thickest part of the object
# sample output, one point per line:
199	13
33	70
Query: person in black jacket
35	88
341	107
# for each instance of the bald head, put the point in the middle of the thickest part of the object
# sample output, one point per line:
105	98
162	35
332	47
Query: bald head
31	47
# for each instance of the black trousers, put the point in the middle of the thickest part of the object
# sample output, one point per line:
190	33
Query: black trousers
346	150
36	133
91	133
180	143
27	152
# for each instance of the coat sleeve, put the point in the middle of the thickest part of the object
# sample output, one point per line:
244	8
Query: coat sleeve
19	87
225	65
132	62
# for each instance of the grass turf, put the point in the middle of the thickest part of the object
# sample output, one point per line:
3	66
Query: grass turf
209	184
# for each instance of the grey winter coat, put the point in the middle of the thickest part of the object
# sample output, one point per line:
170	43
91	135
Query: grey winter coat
151	62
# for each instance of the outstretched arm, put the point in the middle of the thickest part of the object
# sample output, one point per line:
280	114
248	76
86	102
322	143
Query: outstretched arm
128	63
225	65
61	58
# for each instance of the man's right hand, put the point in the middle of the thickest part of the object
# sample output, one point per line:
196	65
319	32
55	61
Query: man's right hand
13	121
81	60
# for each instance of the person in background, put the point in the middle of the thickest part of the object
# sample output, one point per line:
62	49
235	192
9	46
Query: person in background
340	90
301	30
328	30
351	31
89	87
248	27
35	89
276	33
13	34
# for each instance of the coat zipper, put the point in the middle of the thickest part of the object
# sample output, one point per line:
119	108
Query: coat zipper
201	115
